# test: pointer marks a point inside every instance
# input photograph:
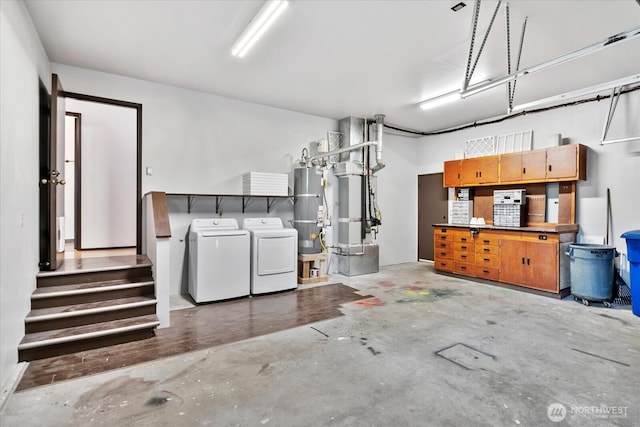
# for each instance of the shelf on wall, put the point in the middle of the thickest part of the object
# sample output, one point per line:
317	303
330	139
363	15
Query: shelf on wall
246	199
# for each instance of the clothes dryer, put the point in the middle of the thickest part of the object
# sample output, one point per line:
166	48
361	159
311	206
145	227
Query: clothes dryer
274	254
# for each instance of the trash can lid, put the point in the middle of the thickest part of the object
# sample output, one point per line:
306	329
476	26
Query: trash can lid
633	234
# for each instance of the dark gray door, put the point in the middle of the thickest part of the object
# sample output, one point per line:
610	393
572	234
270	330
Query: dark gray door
432	209
52	113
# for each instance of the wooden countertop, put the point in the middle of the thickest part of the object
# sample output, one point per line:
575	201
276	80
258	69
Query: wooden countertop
557	228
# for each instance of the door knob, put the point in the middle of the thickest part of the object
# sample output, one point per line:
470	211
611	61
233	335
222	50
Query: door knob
55	181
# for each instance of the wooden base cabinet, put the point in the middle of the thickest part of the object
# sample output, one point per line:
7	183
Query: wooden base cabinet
525	258
530	263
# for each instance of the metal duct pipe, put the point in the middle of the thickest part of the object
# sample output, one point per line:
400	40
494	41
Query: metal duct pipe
343	150
379	125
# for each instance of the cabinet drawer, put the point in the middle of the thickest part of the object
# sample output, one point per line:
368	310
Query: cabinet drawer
442	245
488	240
487	250
442	237
489	273
464	268
469	257
487	260
443	254
464	247
463	237
443	264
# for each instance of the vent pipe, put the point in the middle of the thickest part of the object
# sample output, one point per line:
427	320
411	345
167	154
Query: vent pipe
379	126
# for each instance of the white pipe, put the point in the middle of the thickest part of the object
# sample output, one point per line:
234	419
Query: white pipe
343	150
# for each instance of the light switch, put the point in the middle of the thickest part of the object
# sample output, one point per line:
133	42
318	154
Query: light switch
149	171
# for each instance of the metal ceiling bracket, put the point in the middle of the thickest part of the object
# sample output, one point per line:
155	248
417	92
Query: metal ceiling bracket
474	28
615	95
508	40
609	41
512	95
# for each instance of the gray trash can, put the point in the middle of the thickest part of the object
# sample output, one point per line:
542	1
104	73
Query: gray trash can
591	271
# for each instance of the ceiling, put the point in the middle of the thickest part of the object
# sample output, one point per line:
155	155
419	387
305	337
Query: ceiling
343	58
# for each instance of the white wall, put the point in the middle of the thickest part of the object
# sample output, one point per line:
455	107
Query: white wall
109	168
202	143
22	62
615	166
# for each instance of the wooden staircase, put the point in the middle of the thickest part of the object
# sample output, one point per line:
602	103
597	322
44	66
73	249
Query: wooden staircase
74	309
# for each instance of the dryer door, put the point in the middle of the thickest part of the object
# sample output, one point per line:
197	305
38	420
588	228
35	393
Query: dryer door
276	255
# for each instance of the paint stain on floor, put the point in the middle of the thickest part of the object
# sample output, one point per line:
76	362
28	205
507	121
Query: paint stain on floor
430	295
371	302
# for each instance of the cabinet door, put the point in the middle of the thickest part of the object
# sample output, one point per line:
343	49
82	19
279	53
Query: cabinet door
512	261
452	173
521	167
542	266
511	167
480	170
533	165
562	162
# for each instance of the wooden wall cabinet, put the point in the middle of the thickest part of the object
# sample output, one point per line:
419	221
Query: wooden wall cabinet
563	163
479	170
567	163
524	258
451	176
523	167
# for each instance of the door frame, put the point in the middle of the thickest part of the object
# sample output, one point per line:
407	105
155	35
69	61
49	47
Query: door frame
138	108
77	173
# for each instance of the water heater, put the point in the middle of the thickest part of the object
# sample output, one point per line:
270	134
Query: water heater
307	209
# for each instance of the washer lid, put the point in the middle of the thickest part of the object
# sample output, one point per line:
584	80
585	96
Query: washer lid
211	224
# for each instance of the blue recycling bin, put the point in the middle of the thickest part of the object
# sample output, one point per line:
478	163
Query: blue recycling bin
633	255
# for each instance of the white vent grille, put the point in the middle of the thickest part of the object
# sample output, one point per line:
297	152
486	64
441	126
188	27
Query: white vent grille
514	142
479	147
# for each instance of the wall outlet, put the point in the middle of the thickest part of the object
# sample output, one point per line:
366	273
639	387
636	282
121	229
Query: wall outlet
149	171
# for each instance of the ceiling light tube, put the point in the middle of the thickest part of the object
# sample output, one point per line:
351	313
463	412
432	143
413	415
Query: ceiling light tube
440	100
258	26
580	92
617	38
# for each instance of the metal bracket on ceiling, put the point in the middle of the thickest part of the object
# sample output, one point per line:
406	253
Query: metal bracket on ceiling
615	95
474	28
511	88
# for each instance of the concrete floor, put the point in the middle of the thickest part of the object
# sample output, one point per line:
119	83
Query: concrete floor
430	350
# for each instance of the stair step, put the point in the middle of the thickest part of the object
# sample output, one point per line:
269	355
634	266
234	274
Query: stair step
96	269
87	288
81	293
86	332
52	313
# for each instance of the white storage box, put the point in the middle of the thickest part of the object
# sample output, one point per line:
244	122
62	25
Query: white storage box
460	212
265	184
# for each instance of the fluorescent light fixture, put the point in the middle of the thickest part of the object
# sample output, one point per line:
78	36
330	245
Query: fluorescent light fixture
580	92
440	100
258	26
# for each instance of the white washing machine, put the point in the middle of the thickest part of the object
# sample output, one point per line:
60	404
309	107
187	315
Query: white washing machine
219	260
274	255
